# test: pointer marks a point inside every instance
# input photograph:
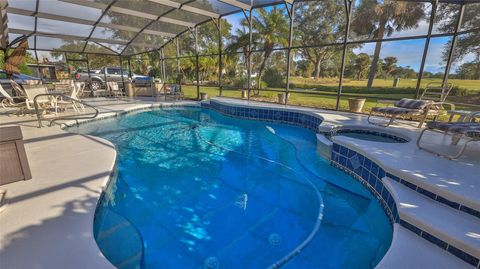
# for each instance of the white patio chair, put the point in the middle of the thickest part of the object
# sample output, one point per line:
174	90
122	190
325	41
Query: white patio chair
72	101
44	102
114	90
9	101
17	88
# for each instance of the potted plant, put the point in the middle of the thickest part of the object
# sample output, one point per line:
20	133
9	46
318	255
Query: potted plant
355	104
203	96
283	98
244	94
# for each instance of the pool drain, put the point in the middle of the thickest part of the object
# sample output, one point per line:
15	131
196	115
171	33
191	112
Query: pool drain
274	239
211	263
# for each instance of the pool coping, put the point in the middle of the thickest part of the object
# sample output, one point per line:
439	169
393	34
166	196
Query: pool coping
134	109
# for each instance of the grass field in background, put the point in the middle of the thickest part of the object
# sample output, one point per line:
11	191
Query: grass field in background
310	100
473	85
322	93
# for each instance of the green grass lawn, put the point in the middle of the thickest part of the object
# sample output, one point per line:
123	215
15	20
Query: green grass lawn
473	85
326	96
322	93
310	100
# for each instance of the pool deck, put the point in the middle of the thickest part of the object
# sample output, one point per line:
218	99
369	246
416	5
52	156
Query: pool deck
48	222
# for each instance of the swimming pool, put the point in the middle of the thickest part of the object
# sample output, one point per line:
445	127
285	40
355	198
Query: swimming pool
196	189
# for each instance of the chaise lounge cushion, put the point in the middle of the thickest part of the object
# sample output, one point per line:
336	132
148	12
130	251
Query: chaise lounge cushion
470	129
412	103
397	110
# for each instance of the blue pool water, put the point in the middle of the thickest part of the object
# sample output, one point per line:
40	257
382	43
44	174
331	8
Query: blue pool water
196	189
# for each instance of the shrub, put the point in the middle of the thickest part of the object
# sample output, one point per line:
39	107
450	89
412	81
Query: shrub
457	91
273	78
240	82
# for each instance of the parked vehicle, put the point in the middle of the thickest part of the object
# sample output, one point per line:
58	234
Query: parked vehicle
19	78
98	78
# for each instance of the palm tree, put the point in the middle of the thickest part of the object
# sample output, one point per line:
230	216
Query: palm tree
361	64
377	19
270	28
390	65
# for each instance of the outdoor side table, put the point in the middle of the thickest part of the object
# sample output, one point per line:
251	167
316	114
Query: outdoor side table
13	158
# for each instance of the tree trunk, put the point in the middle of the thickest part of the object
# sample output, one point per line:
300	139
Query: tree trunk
318	64
376	56
477	68
262	66
477	71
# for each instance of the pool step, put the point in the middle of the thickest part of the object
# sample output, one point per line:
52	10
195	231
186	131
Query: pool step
410	251
114	231
108	232
134	261
446	227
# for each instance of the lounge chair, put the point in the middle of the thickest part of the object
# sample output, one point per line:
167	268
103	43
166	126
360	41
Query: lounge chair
100	91
430	103
13	101
44	102
81	88
63	85
114	90
175	90
17	88
467	130
64	104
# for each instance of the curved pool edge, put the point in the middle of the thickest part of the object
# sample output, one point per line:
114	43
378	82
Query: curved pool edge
103	195
103	187
140	108
54	211
133	109
111	169
311	124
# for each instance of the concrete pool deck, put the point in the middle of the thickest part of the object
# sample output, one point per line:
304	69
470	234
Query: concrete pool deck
48	222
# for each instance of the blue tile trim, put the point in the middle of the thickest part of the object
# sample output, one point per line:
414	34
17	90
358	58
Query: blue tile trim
433	239
301	119
371	175
436	197
442	244
368	173
464	256
411	227
371	132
